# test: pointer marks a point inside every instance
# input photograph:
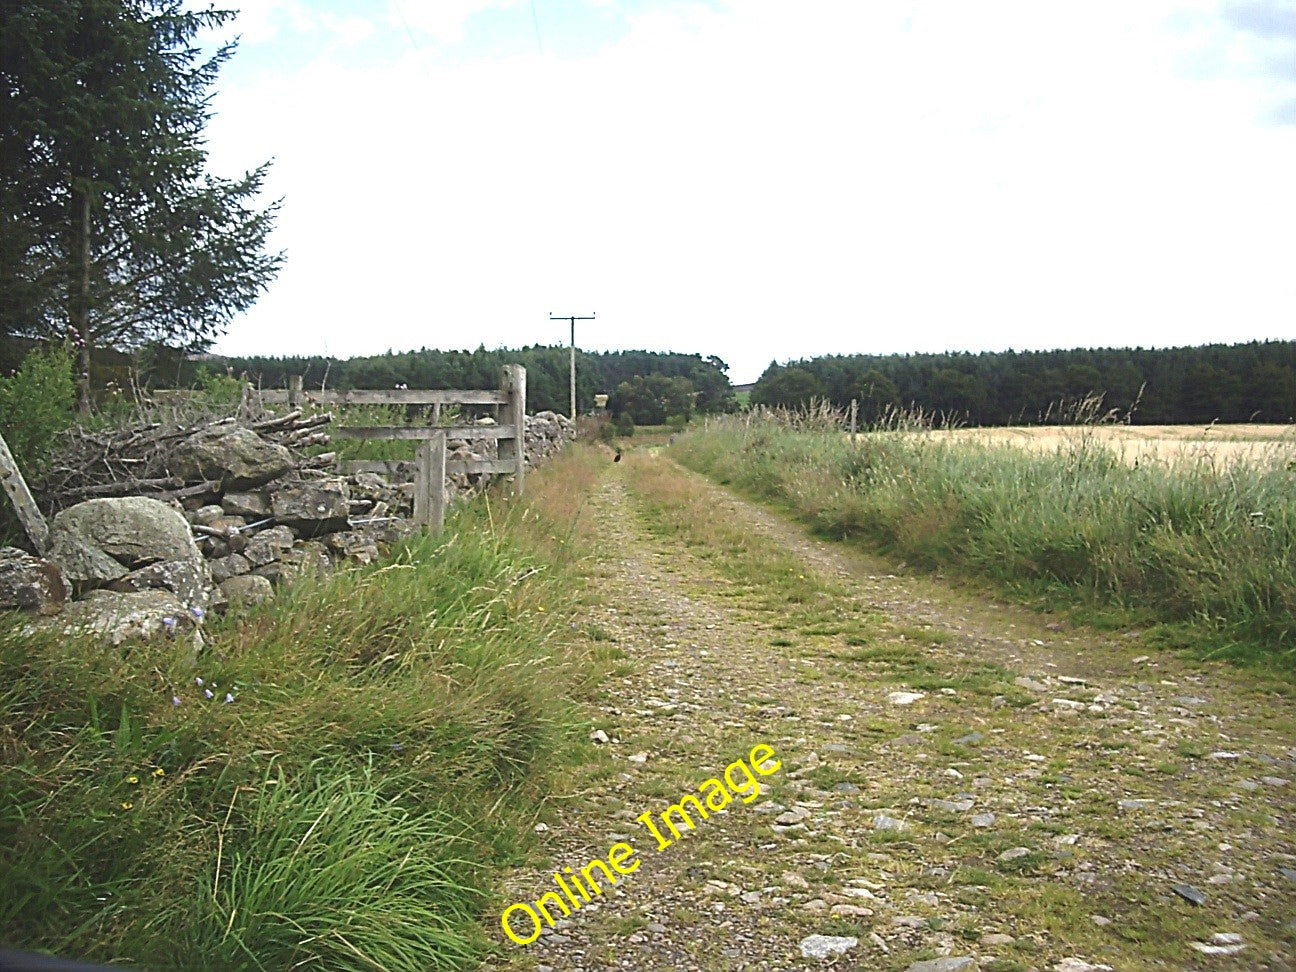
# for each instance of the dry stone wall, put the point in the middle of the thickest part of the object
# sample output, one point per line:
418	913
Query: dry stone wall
233	510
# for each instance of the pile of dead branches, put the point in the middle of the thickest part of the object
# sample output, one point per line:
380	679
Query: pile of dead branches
136	460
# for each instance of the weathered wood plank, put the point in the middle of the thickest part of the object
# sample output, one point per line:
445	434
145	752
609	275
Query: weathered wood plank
513	385
29	514
421	433
397	467
390	396
436	461
423	484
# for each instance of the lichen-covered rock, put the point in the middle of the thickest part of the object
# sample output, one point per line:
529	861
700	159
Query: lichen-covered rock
306	557
313	508
237	458
120	617
101	540
30	583
354	545
247	589
204	515
189	580
82	563
234	565
269	545
252	505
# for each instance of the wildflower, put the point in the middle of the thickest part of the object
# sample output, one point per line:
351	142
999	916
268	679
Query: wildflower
127	805
197	612
159	772
133	780
540	608
170	625
229	697
198	681
209	693
175	700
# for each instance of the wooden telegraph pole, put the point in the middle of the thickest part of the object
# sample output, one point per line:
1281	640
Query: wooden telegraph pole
573	318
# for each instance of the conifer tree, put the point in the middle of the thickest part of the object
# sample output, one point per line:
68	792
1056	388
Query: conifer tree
110	227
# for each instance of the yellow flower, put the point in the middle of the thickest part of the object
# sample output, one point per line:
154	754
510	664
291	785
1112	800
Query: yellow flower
159	772
540	608
127	805
132	779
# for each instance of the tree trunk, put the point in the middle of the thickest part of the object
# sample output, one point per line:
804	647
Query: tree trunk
80	288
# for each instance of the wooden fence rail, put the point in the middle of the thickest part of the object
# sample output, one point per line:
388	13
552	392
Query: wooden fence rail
431	464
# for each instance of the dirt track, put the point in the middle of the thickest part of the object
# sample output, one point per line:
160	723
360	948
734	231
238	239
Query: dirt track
1035	797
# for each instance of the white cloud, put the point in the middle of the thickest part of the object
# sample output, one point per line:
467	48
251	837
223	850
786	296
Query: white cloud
443	20
756	182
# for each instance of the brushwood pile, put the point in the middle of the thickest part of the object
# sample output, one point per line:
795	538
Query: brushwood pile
157	524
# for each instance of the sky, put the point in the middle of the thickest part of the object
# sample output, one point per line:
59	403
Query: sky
763	180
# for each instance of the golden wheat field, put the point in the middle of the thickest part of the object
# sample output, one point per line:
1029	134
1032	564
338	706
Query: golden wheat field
1144	443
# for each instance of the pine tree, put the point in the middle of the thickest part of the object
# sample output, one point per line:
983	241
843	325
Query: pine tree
109	225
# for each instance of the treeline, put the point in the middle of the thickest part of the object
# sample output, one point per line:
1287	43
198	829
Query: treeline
548	372
1253	382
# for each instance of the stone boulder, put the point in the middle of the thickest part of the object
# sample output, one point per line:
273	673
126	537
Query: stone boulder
30	583
313	508
102	540
234	565
354	545
268	546
119	617
251	505
237	458
247	589
189	580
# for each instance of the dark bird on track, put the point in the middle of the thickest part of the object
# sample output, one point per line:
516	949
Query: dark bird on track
617	457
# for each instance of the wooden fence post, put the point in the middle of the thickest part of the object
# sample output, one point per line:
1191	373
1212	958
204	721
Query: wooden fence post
513	384
437	479
29	514
294	390
854	413
429	483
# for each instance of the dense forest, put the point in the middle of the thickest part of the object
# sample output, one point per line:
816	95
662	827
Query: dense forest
548	373
1253	382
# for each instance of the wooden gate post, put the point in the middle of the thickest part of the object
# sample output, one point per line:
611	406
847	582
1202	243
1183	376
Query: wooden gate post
513	384
29	514
429	483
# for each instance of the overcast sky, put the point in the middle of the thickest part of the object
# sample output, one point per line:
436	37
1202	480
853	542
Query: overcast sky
768	180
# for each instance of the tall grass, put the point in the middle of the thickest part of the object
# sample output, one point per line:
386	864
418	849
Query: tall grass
1207	545
391	734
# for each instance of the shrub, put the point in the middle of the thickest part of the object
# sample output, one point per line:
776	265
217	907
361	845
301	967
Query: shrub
36	403
625	425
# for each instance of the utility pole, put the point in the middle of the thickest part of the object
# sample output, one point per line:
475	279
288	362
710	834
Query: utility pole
573	318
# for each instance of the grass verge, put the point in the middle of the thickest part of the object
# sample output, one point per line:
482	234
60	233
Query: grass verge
331	787
1206	550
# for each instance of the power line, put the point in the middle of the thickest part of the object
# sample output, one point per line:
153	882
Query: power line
573	318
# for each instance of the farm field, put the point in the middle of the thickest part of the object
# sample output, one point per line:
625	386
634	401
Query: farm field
1162	443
